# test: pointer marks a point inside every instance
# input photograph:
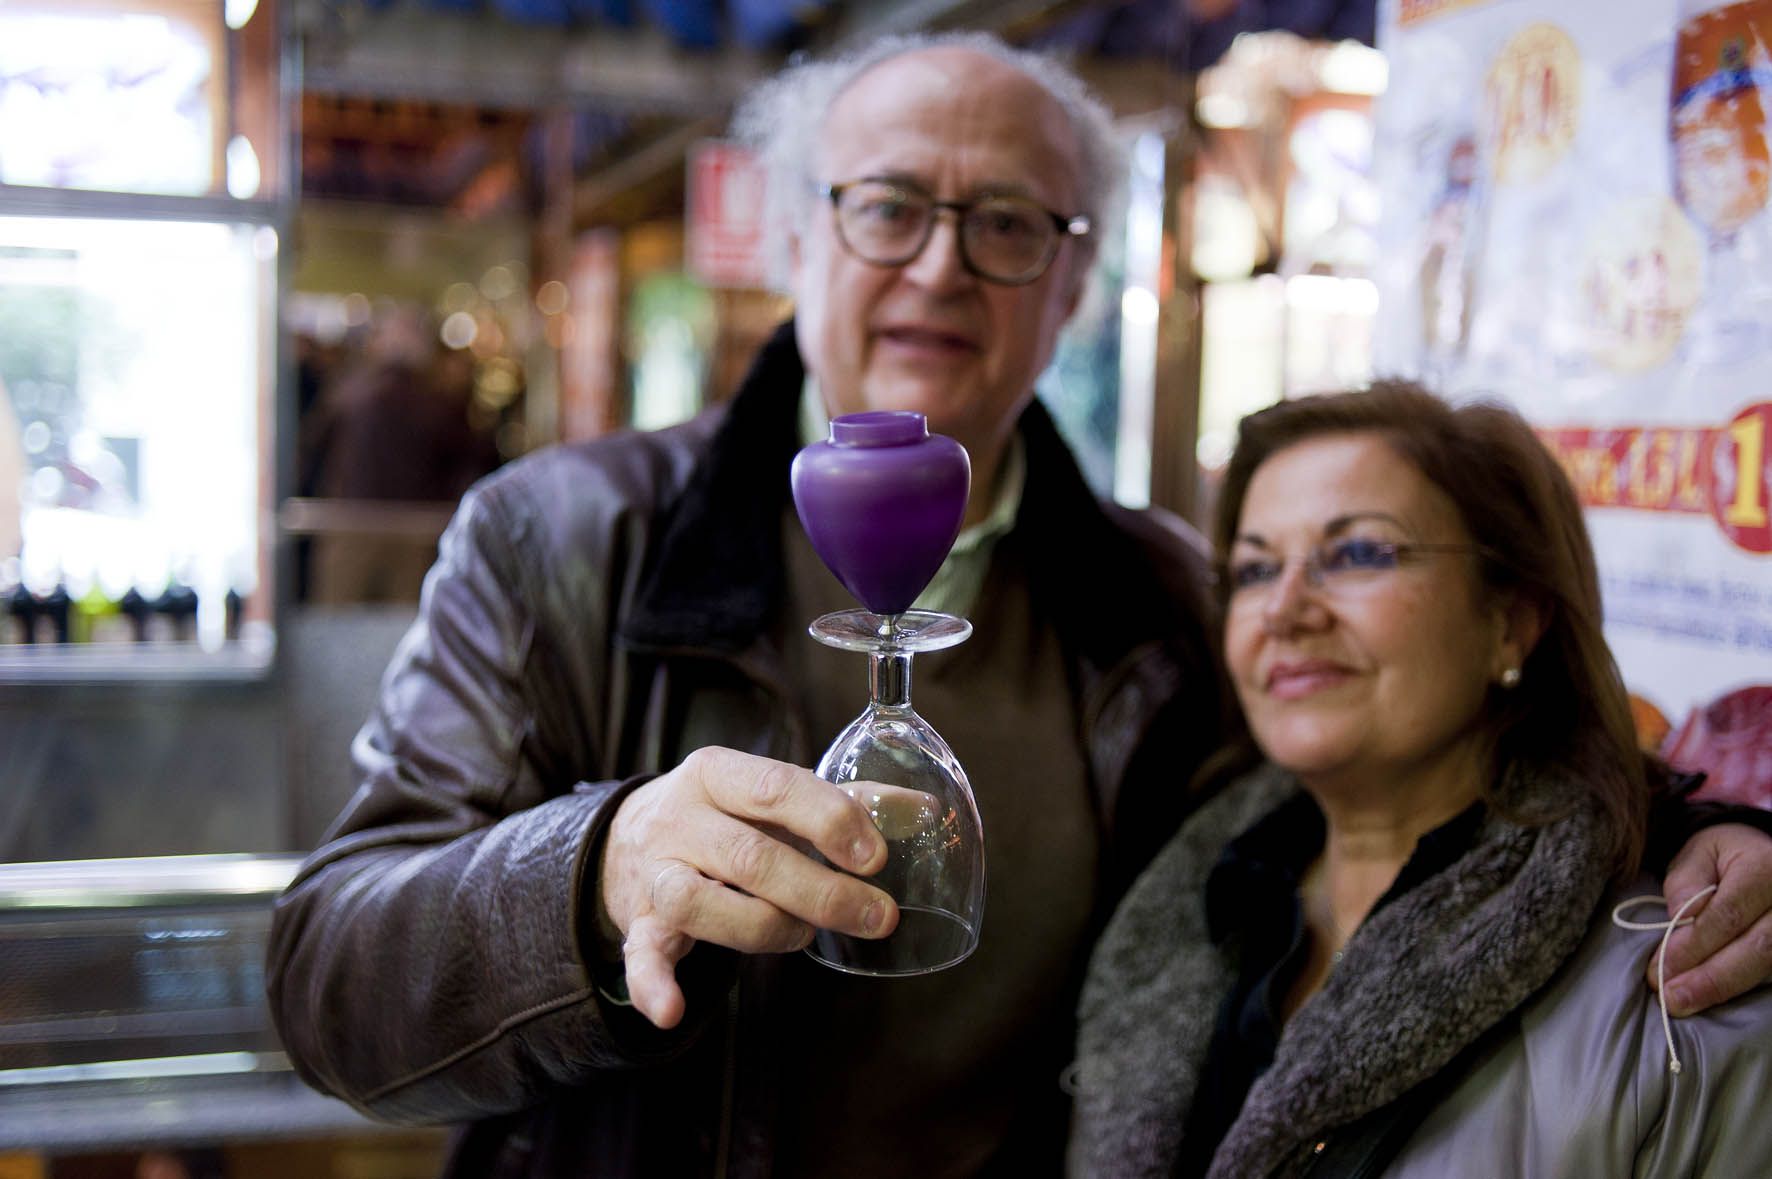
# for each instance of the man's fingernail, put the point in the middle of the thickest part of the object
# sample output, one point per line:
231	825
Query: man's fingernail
1677	999
861	851
873	917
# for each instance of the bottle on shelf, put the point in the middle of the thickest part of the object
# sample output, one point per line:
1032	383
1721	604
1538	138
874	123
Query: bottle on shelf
57	607
233	607
97	618
22	613
177	604
138	610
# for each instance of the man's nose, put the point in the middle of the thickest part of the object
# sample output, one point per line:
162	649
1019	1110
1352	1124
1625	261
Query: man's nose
940	265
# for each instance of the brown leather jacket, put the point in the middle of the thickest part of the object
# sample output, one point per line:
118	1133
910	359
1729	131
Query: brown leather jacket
594	615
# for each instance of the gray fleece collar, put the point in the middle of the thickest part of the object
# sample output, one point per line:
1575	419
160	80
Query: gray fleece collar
1420	980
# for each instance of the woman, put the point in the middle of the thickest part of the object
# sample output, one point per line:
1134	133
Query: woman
1384	949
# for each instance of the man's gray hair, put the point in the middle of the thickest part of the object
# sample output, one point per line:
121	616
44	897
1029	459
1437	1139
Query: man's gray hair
781	119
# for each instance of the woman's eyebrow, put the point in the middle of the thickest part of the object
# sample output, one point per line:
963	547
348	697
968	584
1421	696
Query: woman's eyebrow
1343	522
1336	525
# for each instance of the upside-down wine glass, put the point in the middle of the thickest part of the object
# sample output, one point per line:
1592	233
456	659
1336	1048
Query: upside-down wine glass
882	500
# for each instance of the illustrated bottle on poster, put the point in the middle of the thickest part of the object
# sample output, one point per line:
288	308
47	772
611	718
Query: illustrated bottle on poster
1722	164
1449	263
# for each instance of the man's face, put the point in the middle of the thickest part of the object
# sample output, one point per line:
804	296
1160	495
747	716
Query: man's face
928	335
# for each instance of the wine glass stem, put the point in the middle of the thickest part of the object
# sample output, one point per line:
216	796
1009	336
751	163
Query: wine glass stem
889	678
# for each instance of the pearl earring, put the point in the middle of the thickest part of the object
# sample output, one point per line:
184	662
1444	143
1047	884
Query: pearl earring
1510	678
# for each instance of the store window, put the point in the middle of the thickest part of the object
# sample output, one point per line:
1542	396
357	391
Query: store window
1284	212
130	353
140	231
1101	385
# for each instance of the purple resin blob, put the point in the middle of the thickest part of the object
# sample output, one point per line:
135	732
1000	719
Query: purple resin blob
882	501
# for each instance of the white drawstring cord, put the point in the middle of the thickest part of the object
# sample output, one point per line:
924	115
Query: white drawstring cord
1667	931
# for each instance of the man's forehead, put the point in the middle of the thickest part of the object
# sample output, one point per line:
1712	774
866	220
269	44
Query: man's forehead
958	79
913	115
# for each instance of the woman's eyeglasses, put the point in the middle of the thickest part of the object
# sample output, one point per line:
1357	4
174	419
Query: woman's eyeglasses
1347	562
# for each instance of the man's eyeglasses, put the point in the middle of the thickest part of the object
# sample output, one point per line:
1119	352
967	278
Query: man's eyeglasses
1345	563
1005	239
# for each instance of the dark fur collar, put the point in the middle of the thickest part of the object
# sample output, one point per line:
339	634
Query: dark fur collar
717	575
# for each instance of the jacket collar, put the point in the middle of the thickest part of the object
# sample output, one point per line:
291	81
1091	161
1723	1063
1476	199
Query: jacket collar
716	579
717	574
1427	975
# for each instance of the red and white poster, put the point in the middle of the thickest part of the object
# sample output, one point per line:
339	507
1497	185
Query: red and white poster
1575	221
724	234
590	359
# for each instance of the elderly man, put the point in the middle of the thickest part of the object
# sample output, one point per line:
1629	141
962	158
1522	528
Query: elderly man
581	791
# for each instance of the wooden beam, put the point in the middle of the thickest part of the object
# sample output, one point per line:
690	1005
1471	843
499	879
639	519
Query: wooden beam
861	23
1175	424
403	53
640	165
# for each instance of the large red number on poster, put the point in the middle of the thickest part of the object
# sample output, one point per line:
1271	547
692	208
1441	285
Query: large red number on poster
1743	449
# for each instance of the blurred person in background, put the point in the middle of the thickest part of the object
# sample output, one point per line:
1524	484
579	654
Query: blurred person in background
315	362
563	903
393	427
207	1163
1390	947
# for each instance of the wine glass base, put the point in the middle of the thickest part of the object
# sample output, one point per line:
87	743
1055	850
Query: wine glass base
912	631
925	941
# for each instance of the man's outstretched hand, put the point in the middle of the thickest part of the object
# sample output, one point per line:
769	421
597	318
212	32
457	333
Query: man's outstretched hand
711	851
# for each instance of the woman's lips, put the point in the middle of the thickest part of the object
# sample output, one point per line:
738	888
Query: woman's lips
1294	681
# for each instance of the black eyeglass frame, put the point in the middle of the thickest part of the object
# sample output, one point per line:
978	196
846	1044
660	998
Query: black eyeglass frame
1075	225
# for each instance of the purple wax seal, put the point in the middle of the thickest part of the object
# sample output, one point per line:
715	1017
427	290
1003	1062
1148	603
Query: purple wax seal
882	500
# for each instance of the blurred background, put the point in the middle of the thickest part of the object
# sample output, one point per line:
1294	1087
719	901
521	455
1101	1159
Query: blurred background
279	279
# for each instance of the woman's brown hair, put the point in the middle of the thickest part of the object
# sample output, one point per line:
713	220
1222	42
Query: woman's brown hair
1569	715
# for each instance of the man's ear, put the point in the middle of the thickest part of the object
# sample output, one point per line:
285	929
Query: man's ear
1082	270
792	253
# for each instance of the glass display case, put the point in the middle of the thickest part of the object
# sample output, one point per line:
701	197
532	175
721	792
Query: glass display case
142	209
132	1007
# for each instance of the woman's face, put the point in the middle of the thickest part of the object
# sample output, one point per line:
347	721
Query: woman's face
1357	662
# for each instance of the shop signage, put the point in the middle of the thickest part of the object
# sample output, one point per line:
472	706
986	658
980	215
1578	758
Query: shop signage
725	238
